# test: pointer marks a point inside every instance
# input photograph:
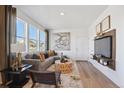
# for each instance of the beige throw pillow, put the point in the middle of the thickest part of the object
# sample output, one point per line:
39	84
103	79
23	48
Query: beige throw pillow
42	57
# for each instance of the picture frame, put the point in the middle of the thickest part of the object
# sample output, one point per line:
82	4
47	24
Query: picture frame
98	29
62	41
106	24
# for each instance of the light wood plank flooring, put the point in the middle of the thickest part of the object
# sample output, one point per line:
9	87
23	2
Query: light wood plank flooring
93	78
90	77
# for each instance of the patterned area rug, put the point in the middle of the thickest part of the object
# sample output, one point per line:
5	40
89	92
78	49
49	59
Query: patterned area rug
71	80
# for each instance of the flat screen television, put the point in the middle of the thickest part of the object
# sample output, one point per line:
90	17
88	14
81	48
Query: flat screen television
103	46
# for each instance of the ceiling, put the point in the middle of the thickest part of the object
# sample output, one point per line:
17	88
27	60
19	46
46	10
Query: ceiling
75	16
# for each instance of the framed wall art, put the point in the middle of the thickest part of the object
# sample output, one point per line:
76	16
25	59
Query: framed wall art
62	41
106	24
98	29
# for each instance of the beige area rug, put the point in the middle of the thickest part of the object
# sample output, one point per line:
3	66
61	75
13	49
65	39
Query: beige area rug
71	80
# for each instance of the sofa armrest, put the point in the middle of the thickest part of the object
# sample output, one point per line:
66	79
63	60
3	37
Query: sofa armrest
36	63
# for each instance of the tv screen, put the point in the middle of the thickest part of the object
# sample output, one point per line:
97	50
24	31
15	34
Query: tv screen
103	46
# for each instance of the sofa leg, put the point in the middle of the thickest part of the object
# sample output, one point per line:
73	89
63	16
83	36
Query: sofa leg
56	86
59	81
33	85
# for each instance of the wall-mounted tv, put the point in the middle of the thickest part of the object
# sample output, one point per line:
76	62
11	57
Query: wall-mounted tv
103	46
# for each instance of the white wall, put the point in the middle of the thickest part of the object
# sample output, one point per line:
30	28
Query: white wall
117	22
29	20
75	34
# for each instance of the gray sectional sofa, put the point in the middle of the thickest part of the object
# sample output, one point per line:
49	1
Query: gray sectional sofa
39	72
37	64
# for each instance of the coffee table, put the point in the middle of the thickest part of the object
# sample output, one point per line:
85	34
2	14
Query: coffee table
65	68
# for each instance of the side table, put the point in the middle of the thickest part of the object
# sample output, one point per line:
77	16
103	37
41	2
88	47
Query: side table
18	78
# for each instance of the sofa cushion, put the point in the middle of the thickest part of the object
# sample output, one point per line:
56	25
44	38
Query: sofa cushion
35	56
56	57
51	68
44	65
28	56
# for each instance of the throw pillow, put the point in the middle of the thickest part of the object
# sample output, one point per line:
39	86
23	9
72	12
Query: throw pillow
51	53
54	52
42	57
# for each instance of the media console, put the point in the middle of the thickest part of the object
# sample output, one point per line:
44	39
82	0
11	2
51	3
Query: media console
105	49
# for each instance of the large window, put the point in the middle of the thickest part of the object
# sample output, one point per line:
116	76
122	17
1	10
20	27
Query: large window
32	38
42	41
20	31
30	35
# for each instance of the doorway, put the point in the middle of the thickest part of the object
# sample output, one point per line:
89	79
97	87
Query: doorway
82	48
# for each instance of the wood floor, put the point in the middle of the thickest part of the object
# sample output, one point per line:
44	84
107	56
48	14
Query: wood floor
90	77
93	78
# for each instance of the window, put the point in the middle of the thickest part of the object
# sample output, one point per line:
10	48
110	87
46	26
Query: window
42	44
20	31
32	38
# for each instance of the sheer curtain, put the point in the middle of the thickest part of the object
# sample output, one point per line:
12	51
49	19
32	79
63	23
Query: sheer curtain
13	25
12	34
7	28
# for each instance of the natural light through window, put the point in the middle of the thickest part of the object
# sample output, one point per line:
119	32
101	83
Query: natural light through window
32	38
42	40
20	33
30	35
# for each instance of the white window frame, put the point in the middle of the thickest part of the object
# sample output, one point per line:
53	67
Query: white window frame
26	35
40	40
25	26
33	39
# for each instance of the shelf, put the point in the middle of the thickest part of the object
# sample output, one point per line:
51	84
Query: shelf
105	61
112	61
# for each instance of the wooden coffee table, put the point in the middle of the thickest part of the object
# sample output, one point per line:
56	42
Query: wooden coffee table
65	68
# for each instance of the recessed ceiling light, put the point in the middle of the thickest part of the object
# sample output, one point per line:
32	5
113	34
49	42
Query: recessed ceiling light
62	13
